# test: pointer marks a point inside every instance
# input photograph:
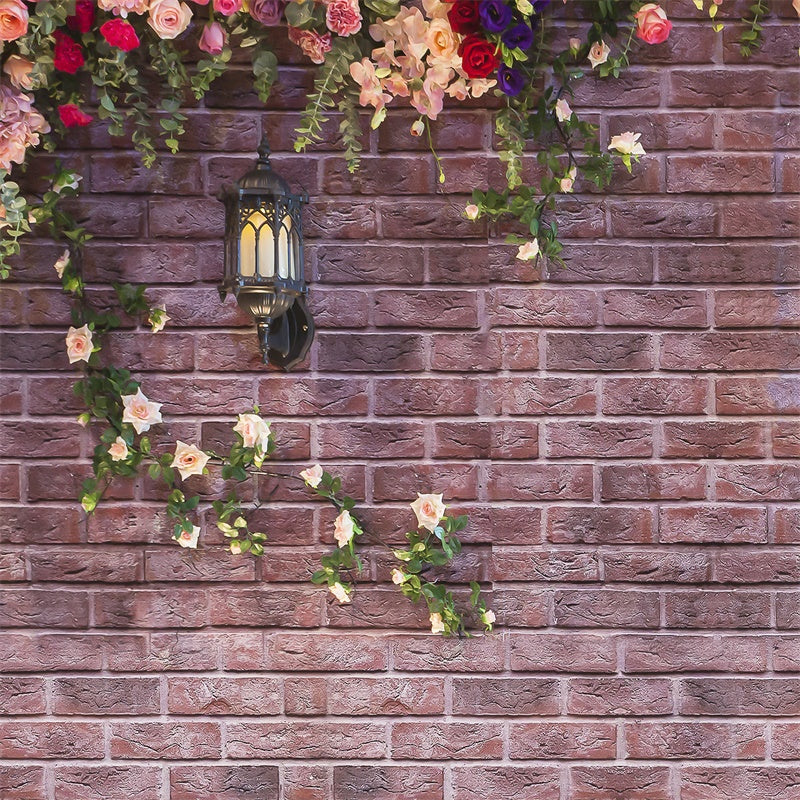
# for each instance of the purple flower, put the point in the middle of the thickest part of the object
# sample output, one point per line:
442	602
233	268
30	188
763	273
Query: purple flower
520	36
495	15
511	80
267	12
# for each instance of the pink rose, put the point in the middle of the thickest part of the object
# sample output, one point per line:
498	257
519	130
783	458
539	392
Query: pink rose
79	344
212	40
169	18
13	20
267	12
343	530
343	17
139	411
118	450
652	25
312	476
227	7
189	459
429	509
311	43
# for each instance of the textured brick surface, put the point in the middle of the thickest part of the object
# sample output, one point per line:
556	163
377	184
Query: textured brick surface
623	433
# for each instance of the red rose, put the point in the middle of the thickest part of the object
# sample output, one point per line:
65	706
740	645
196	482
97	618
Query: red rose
478	57
119	33
83	18
463	16
68	56
72	116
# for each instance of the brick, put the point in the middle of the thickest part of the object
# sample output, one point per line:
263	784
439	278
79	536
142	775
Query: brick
542	482
78	782
22	783
21	695
438	741
599	439
618	696
545	308
574	652
562	740
165	740
401	308
606	608
229	782
655	308
657	566
599	351
80	566
555	565
317	739
32	608
768	395
691	653
48	652
301	652
729	782
538	782
505	696
498	439
356	782
614	782
776	308
535	396
718	609
386	696
146	608
713	524
758	482
51	740
425	653
739	696
694	740
162	651
728	173
228	695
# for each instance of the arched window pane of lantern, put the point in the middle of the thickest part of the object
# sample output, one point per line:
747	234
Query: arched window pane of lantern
264	261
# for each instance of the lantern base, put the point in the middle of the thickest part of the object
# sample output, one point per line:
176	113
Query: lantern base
285	340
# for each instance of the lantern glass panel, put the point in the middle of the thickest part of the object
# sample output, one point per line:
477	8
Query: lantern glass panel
295	275
247	248
284	254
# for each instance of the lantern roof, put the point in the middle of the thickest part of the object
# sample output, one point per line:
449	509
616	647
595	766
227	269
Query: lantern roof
262	179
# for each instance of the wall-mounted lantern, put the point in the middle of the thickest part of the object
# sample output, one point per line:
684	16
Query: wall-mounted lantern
264	260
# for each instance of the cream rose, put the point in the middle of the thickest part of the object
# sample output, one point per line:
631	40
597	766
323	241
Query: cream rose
398	577
189	460
343	529
472	211
61	264
339	592
79	344
169	18
563	111
312	476
567	183
189	539
429	509
488	618
236	549
437	623
599	53
158	318
627	143
253	430
442	45
13	20
528	251
18	70
118	450
140	412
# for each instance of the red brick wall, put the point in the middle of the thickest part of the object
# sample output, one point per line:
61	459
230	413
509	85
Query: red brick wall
624	433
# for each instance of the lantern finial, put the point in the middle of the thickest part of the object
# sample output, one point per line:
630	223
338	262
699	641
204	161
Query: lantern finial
264	150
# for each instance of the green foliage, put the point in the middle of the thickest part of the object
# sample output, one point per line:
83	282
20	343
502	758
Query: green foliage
265	70
751	37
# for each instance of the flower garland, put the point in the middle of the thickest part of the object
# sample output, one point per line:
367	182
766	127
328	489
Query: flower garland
371	54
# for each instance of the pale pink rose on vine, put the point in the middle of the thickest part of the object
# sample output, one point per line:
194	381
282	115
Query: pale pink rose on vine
139	411
472	211
398	577
79	344
158	318
627	143
343	17
61	264
253	430
429	510
340	593
311	43
118	450
169	18
18	70
343	529
574	44
13	20
313	475
488	617
442	44
236	549
528	251
227	7
437	623
599	53
124	7
189	538
567	183
189	460
563	111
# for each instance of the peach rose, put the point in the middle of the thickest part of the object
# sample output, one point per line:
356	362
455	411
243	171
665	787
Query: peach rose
139	411
442	44
472	211
169	18
339	592
568	181
236	549
189	538
343	529
119	450
312	476
528	251
18	70
79	344
652	25
189	460
158	318
429	509
61	264
343	17
437	623
13	20
488	618
599	53
398	577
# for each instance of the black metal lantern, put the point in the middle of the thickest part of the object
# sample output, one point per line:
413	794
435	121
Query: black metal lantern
264	260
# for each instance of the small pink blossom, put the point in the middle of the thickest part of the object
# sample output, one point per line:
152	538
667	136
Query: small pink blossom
189	460
139	411
212	39
312	476
79	344
437	623
118	450
429	510
528	251
189	538
344	529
